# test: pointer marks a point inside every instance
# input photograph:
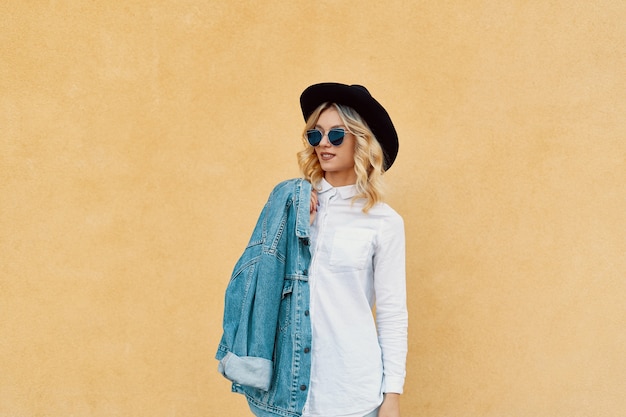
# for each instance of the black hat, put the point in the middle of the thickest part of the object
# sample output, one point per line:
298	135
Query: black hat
358	98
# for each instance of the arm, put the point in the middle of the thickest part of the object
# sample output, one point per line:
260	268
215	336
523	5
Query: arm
391	311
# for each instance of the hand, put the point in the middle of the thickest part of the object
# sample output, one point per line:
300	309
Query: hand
313	206
390	406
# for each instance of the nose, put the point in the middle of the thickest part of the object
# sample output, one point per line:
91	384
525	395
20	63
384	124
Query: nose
325	142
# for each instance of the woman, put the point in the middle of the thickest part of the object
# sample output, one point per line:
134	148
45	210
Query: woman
358	259
300	337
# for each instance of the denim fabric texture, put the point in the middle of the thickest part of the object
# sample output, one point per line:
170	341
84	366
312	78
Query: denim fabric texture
265	346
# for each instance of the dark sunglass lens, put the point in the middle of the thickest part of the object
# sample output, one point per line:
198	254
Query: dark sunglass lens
335	136
314	137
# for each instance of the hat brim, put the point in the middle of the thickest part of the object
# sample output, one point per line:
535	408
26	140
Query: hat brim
358	98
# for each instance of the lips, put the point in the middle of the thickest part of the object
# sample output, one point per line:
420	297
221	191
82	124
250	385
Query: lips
326	156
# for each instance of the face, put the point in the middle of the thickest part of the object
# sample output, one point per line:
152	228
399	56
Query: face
336	161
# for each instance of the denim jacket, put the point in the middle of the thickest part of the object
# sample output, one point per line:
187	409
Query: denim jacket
265	346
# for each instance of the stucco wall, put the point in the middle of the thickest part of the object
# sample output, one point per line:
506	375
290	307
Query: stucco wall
139	141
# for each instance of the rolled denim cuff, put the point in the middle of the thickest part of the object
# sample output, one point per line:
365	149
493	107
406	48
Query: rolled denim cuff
247	370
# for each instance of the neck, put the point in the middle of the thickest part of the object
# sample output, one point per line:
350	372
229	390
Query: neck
337	179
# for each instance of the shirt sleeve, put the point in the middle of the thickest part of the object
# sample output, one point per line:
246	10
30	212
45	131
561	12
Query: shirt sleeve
391	306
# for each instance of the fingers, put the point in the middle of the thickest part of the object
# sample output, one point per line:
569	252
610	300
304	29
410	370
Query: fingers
314	202
313	205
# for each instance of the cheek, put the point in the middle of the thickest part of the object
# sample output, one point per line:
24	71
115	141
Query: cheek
350	148
349	153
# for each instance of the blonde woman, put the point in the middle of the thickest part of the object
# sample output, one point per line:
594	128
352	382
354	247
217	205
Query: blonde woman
358	256
301	338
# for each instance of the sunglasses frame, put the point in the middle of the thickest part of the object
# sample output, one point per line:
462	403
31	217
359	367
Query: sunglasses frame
335	141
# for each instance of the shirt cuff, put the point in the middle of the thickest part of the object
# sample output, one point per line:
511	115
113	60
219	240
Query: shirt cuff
393	385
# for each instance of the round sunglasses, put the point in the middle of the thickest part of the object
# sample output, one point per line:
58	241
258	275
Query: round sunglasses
335	136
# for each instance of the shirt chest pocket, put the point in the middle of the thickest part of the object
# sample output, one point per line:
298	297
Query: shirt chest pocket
351	249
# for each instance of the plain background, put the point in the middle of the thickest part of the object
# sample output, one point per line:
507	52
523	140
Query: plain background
139	141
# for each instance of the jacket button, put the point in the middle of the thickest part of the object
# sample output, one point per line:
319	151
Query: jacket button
307	350
306	312
302	387
305	272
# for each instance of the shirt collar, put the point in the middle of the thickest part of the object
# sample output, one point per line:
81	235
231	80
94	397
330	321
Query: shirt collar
345	192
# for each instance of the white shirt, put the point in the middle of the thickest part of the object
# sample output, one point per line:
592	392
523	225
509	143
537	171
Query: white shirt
358	260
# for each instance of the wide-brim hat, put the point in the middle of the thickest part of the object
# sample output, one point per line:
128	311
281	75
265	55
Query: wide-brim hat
358	98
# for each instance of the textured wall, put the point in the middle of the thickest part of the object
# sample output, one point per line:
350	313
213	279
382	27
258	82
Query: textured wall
139	140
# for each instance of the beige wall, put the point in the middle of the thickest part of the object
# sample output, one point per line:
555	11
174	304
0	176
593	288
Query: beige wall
139	140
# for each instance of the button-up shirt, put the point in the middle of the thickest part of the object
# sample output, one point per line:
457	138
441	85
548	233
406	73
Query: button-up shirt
358	264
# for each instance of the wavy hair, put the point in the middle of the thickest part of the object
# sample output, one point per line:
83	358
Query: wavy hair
368	155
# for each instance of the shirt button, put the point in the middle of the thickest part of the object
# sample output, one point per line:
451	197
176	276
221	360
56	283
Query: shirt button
307	350
302	387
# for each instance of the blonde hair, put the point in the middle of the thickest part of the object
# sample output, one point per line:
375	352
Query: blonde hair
368	155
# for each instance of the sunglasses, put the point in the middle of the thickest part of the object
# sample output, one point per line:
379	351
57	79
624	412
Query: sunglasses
335	136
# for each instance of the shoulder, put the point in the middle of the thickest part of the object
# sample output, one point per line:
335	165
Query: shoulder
390	225
388	222
289	184
385	212
290	187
